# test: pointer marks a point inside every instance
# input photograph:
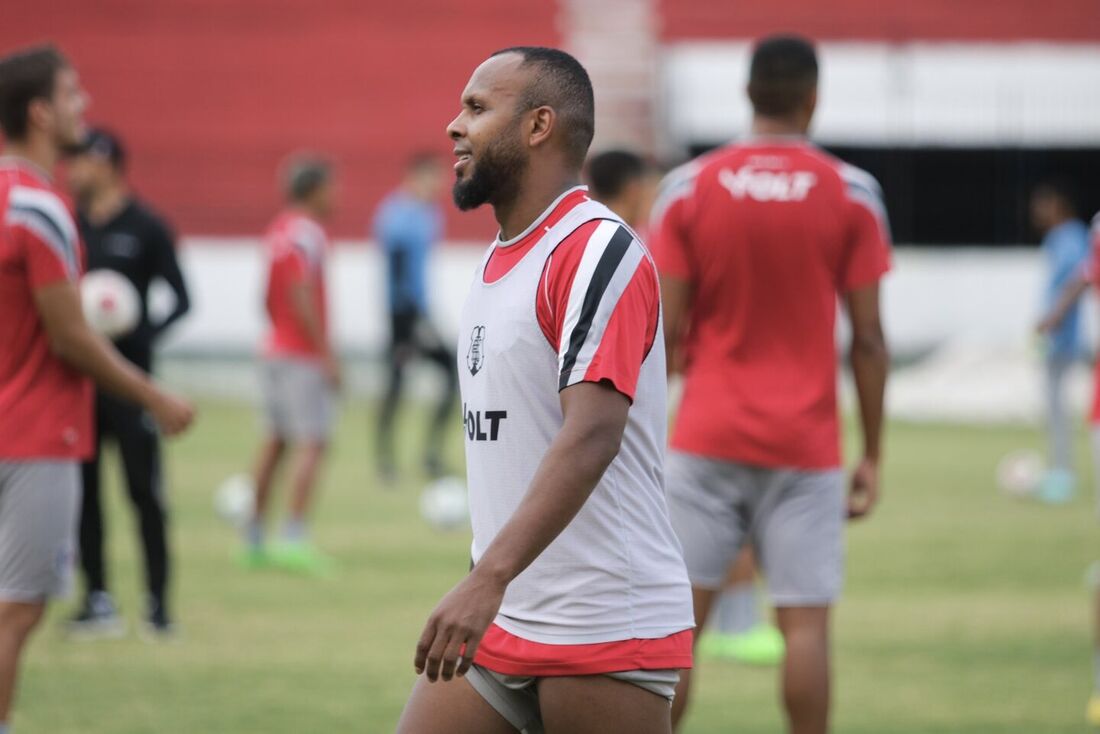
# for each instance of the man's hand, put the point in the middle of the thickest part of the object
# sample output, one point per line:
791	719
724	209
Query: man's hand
456	627
173	414
331	368
863	492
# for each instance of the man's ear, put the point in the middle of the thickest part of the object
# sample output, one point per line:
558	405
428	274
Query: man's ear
543	120
39	113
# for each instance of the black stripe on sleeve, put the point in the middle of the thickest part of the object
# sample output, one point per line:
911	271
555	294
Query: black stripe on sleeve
601	278
47	220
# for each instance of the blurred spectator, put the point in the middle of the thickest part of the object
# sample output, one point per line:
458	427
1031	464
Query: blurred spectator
408	224
122	234
625	183
301	374
1065	248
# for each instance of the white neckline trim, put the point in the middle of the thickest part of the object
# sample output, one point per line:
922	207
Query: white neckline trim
541	218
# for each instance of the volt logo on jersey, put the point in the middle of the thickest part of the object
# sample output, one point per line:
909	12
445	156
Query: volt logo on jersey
475	428
767	185
475	355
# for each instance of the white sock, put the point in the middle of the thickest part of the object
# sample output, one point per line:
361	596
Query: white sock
736	610
294	531
253	535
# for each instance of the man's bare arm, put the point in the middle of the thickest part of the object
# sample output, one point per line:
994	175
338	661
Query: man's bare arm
302	298
1073	290
76	343
594	420
870	362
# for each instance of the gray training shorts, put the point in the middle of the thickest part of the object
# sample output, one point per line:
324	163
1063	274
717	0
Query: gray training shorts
298	401
515	697
39	512
793	518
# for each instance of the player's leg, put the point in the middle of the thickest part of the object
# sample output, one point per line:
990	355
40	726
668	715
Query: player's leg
452	706
401	352
39	511
805	676
437	353
97	615
91	525
737	630
1059	482
311	413
705	508
17	621
308	459
598	704
799	535
269	459
140	448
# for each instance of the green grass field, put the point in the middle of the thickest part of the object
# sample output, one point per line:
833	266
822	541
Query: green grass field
965	611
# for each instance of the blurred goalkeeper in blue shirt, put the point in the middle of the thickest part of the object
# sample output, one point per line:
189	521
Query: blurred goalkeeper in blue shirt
1065	249
407	225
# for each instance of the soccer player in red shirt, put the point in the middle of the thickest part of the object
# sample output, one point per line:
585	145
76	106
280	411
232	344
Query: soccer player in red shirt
756	242
48	352
300	372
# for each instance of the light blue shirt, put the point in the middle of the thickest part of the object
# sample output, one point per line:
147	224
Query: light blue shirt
1066	248
407	228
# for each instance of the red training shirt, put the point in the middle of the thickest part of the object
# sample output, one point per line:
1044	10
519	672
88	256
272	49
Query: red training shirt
45	405
296	248
768	233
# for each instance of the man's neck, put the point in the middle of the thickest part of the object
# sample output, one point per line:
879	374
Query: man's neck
534	194
43	155
777	126
105	205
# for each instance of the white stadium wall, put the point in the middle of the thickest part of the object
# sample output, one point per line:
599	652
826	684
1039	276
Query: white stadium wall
951	94
962	318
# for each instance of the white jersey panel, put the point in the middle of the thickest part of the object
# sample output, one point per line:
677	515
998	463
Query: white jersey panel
616	572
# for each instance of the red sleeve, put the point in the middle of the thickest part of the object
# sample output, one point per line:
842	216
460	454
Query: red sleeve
868	255
45	265
668	237
599	306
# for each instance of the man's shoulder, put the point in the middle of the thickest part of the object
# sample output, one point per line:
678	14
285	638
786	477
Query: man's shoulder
147	216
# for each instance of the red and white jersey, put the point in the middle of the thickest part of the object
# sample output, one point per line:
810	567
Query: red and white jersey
296	248
573	299
46	405
767	233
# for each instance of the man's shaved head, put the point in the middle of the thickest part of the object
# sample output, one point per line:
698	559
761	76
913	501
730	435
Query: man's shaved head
560	82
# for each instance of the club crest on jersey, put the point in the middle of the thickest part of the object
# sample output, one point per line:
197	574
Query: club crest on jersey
475	355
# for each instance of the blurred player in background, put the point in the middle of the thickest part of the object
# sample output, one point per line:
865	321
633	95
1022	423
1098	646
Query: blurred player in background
576	616
1065	248
49	352
626	183
122	234
756	242
300	372
408	225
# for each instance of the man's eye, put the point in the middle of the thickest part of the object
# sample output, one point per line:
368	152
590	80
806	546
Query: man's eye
477	108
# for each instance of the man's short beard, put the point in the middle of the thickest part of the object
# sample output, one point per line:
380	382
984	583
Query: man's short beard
494	178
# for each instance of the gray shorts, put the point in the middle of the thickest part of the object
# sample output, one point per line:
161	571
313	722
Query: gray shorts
298	402
516	698
794	519
39	512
